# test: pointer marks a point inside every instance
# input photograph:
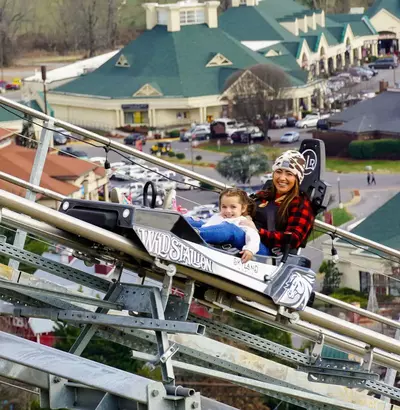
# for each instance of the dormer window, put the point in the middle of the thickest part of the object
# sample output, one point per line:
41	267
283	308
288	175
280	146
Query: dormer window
122	62
218	60
192	17
162	17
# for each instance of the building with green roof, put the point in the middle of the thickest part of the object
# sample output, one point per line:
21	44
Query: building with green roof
174	73
357	263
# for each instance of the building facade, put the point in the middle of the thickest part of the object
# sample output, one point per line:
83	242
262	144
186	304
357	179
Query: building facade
174	73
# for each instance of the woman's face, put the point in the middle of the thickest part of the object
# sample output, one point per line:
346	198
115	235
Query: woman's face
284	181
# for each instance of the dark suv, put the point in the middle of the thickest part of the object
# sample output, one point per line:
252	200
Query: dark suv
388	62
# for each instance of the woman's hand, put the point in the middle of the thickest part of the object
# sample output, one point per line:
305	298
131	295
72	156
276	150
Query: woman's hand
248	222
246	256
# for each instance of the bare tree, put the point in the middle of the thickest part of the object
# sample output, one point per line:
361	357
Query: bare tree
13	14
112	24
89	12
257	93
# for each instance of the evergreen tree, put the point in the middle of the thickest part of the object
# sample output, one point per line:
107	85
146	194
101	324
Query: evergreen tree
243	164
332	277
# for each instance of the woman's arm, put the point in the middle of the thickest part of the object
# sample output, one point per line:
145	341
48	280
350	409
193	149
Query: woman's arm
300	222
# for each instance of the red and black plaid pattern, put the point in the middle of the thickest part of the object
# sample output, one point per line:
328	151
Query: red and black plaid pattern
300	222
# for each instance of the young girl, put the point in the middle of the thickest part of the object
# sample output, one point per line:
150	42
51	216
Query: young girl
221	228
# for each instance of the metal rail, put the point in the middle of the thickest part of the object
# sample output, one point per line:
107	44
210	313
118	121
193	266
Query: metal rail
157	161
20	224
32	187
359	337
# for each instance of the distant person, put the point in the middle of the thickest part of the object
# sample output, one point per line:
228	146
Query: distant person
373	179
368	178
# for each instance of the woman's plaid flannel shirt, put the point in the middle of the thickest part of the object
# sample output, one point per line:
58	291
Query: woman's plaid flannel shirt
300	222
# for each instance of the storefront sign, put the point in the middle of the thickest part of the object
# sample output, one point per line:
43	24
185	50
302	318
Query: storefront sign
387	36
135	107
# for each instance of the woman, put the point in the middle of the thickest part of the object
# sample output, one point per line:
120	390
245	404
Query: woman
283	208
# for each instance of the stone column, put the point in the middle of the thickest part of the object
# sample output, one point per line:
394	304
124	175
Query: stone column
360	55
320	100
296	107
351	56
334	63
309	103
375	49
343	59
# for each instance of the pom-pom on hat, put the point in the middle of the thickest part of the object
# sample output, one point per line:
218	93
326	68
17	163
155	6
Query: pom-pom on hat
292	161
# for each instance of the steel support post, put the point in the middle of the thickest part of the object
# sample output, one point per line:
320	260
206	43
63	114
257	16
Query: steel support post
36	175
89	330
163	346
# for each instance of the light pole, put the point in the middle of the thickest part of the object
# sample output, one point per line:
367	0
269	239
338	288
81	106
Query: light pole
191	150
340	194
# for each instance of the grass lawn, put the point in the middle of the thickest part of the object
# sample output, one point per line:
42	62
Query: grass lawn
340	217
350	165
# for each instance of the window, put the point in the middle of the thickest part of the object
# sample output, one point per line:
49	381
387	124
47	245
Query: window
192	17
364	282
381	283
162	17
122	62
218	60
136	117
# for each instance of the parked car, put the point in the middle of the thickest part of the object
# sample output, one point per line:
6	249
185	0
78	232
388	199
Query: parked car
291	121
199	133
266	177
70	152
387	62
225	127
61	136
352	79
308	121
188	184
278	122
323	124
361	72
132	138
290	137
249	134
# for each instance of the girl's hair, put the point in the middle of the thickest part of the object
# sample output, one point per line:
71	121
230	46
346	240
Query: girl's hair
243	199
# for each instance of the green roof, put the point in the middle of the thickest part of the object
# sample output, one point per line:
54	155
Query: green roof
7	116
254	24
359	23
175	65
279	9
392	6
382	226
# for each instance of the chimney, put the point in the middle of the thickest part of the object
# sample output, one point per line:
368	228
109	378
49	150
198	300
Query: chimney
211	13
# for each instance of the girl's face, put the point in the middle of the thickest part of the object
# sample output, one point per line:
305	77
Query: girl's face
284	181
231	207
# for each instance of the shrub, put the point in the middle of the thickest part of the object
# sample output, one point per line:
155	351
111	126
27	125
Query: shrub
171	154
180	155
199	158
375	149
174	134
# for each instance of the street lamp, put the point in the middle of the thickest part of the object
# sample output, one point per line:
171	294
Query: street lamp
340	194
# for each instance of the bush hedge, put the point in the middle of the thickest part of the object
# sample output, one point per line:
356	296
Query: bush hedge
174	134
180	155
171	154
199	158
375	149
